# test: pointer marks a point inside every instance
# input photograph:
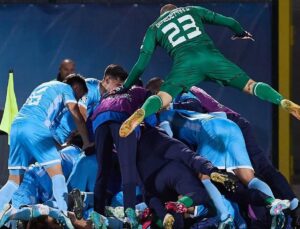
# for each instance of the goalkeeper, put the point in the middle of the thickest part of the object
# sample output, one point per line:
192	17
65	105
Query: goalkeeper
181	32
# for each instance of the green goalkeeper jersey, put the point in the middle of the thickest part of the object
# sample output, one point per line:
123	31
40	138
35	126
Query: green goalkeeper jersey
180	32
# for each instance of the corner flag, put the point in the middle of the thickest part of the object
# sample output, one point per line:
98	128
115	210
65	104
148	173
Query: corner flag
11	107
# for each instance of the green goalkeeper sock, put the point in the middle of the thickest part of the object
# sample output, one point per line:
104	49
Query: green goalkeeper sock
152	105
269	200
187	201
266	92
159	223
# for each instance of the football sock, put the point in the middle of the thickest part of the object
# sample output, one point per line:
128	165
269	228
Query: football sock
20	214
266	92
294	204
217	199
256	183
152	105
6	192
60	191
187	201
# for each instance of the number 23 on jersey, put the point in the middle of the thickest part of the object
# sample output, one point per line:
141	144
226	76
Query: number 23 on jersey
182	26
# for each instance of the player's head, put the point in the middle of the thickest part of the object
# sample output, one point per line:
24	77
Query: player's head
114	76
166	8
43	222
77	83
67	67
154	84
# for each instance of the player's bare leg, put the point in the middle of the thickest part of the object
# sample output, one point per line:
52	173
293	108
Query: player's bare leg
151	106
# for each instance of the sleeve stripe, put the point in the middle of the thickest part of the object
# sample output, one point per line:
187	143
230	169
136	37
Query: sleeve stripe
70	101
82	105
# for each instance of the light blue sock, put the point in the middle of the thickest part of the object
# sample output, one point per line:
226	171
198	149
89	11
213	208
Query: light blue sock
60	191
40	210
55	213
21	214
256	183
6	192
217	199
294	204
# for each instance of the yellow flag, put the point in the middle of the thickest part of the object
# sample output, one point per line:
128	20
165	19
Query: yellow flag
11	107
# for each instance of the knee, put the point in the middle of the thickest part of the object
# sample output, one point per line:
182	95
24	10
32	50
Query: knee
244	175
249	86
54	170
17	179
203	177
166	98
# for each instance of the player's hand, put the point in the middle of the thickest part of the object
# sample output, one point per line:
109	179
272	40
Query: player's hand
244	36
89	148
118	90
228	180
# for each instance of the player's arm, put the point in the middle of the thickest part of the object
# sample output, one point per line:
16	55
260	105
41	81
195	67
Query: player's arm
83	112
82	104
147	49
208	103
80	123
211	17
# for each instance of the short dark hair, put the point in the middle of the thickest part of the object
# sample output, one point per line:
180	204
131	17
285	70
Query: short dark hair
42	222
116	72
154	84
76	79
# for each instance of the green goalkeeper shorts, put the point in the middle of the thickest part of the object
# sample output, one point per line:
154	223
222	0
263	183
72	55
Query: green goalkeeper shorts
210	66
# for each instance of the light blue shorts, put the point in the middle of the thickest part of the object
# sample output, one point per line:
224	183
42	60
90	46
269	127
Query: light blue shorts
84	173
31	141
221	141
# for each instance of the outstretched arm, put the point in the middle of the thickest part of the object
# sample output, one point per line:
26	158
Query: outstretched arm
147	49
211	17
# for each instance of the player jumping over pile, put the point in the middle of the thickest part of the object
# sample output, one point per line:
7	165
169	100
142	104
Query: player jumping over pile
181	32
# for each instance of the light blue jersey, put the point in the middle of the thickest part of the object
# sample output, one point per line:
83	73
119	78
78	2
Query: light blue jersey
93	97
30	137
47	101
214	137
63	125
